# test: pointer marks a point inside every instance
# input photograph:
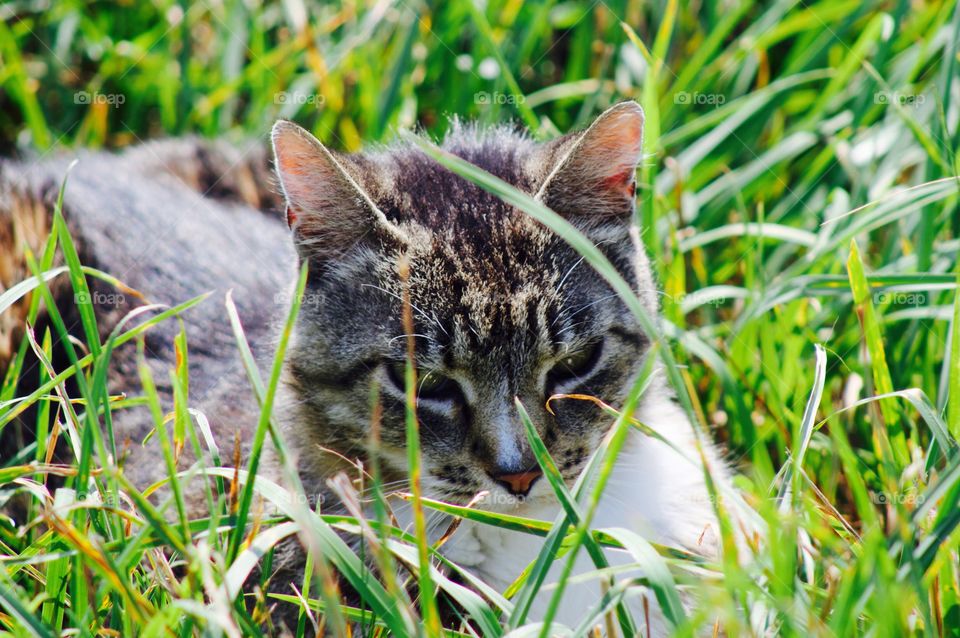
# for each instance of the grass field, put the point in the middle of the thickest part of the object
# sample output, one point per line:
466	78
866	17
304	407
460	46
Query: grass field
798	201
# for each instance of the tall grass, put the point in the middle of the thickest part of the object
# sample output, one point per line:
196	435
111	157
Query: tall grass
799	200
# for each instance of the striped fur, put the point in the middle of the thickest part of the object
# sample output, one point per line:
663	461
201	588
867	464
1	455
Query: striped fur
498	300
499	304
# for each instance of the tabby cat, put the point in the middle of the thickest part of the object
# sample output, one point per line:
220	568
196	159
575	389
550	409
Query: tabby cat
503	309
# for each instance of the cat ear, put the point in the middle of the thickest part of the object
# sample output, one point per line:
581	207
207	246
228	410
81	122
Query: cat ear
328	211
594	177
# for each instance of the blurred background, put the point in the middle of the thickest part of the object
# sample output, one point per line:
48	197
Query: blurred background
777	133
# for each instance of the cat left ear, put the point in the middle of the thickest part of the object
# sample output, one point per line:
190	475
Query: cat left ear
327	209
595	176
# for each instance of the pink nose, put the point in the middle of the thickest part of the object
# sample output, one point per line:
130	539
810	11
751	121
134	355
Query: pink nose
519	483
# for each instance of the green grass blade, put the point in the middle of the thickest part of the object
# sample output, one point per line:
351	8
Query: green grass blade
953	393
873	338
266	411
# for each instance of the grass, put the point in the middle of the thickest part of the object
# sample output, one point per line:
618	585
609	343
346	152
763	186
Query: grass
799	203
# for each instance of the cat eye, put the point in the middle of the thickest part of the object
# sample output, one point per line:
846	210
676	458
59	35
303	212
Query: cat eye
430	385
576	365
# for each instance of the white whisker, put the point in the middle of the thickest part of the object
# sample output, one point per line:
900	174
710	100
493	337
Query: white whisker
417	309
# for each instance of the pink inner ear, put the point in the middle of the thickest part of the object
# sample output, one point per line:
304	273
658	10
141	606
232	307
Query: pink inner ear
297	162
631	134
303	173
291	168
614	147
621	182
301	167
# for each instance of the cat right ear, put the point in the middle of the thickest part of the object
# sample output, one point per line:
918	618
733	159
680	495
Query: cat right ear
594	177
327	209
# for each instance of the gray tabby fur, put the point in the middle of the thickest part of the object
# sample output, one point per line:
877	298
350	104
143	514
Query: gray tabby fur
499	303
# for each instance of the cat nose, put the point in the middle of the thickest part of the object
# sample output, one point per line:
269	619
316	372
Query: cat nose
518	483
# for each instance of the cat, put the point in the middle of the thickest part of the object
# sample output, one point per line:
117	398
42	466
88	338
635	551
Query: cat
503	308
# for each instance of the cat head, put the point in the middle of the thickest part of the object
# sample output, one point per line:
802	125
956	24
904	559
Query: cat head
502	307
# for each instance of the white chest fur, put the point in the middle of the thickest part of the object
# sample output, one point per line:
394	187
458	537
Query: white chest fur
653	491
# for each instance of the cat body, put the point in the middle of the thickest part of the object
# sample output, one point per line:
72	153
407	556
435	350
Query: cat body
172	220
